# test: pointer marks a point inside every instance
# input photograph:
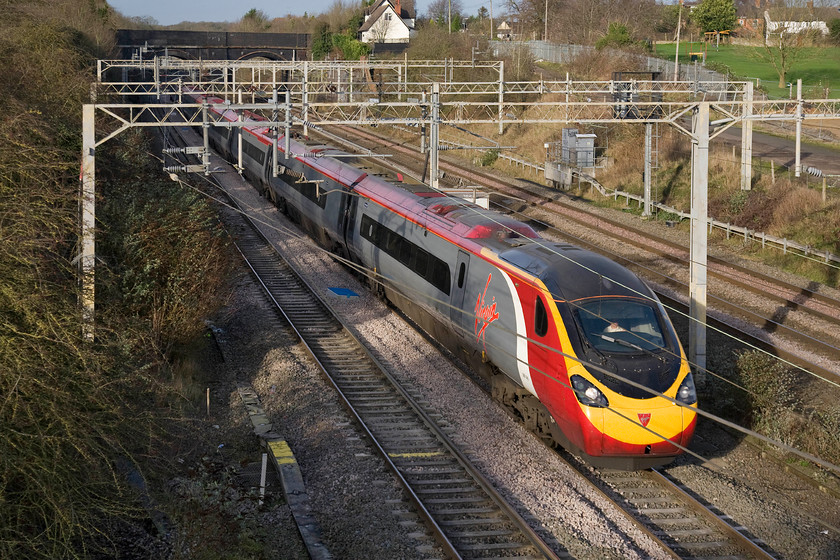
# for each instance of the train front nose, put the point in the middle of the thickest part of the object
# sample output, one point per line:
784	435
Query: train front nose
662	430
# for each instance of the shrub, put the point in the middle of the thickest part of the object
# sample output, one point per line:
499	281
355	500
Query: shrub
834	31
489	158
71	409
618	36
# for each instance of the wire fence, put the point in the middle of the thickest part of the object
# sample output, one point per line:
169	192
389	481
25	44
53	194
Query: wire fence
566	53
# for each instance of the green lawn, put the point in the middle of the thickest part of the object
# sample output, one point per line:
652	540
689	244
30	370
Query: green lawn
818	67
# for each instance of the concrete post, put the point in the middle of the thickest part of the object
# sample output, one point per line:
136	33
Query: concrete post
423	124
240	167
434	140
798	166
157	77
648	155
305	98
501	96
288	132
747	139
205	129
88	210
699	242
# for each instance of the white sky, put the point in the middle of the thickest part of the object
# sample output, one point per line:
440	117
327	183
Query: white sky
169	12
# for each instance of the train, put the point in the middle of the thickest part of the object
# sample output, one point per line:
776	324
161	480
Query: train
574	344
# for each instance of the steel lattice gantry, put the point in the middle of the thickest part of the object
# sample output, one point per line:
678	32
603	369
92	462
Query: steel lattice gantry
434	93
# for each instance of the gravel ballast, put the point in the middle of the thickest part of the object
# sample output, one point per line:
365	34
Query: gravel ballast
360	507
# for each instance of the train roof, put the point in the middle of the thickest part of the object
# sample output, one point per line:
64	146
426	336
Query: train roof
428	207
573	273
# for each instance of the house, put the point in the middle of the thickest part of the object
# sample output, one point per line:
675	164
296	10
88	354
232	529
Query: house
806	20
793	27
386	21
504	31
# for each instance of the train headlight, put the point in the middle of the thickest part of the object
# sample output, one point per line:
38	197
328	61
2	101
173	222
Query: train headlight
587	393
687	393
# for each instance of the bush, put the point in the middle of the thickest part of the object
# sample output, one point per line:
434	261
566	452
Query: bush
166	248
618	35
71	409
834	31
489	158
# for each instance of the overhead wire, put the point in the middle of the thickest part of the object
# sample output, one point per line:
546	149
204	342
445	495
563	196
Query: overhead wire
378	278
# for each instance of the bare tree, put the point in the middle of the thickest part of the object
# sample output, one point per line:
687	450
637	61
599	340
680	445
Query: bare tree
783	46
339	14
439	10
379	31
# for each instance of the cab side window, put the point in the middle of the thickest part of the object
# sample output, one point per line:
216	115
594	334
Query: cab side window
540	318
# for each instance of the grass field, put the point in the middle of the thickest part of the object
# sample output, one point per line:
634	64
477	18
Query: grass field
818	67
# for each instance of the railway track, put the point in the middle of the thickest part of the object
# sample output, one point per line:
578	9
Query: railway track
468	518
662	509
686	526
803	315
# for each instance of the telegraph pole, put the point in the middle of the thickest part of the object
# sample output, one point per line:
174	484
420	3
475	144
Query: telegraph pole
545	34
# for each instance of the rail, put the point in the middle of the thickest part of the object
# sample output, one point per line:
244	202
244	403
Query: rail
782	243
766	239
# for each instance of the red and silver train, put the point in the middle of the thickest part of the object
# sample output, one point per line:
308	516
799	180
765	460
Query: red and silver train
578	346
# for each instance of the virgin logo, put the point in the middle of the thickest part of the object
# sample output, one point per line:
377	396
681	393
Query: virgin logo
644	418
484	313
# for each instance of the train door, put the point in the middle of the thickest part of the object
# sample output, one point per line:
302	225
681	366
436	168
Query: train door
459	286
349	218
268	168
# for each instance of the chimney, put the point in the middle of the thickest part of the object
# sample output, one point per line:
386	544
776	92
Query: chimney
398	9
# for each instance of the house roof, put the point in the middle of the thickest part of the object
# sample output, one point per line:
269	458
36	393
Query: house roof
396	5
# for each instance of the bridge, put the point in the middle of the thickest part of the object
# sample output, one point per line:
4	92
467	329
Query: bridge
140	44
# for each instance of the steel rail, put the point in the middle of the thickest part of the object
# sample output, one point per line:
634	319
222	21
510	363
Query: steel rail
321	331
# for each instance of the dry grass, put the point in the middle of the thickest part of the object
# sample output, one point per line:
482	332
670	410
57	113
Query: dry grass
776	409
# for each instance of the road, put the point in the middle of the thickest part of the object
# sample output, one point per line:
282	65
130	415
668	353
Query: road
781	151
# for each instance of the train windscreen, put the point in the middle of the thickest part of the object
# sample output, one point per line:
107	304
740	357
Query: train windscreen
620	325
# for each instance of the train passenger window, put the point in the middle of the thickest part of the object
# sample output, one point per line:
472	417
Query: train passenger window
392	243
432	269
405	252
421	264
253	152
540	318
440	276
461	272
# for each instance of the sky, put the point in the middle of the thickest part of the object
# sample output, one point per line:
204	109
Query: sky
169	12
